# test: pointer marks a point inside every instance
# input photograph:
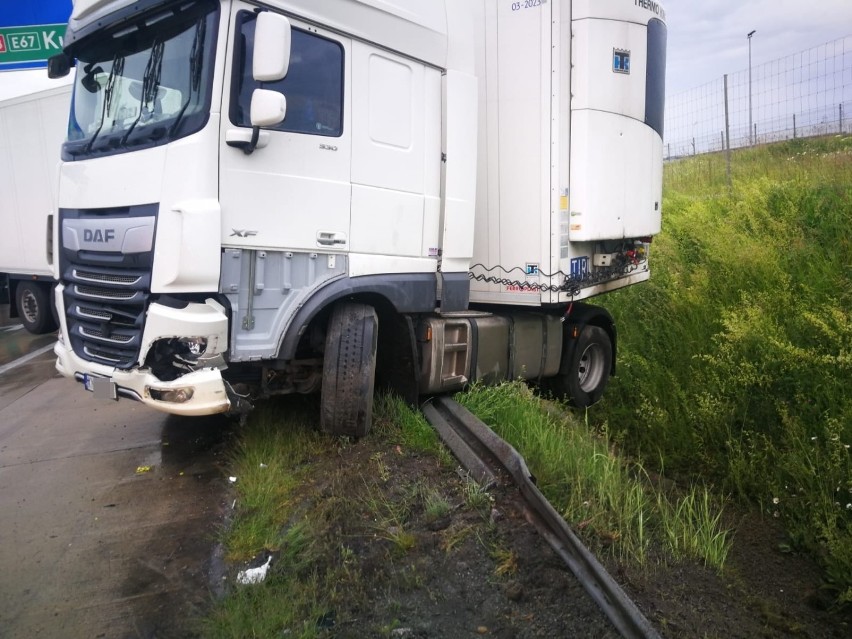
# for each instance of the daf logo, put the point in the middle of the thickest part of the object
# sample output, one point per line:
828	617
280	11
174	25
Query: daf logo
242	233
327	147
98	235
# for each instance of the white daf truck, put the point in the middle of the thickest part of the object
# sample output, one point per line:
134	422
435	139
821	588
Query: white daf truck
32	130
292	196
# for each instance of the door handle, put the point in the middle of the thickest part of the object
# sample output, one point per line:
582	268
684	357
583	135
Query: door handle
327	238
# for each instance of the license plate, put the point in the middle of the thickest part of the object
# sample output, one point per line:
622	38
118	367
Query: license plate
102	387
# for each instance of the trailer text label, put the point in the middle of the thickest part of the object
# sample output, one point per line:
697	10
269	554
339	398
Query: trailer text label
579	266
527	4
653	7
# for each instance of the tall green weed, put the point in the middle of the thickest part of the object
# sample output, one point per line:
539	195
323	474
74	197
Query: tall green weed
735	360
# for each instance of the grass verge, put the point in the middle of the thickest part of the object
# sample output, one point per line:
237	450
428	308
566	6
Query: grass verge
601	495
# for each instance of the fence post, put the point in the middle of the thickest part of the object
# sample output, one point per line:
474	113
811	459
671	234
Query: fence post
669	145
794	126
840	107
727	137
755	133
693	146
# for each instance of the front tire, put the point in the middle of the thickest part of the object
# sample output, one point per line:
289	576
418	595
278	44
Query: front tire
349	371
34	308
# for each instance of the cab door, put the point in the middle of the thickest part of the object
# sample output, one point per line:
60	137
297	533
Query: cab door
293	191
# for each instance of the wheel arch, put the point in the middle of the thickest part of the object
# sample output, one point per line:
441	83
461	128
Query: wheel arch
391	295
395	299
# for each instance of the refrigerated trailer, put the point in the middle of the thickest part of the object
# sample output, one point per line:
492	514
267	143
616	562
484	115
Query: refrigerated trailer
32	130
261	198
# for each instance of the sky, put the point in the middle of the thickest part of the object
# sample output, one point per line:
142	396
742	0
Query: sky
706	39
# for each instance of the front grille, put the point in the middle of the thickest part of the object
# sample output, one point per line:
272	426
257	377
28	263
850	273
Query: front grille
106	278
106	295
94	313
105	323
115	338
103	357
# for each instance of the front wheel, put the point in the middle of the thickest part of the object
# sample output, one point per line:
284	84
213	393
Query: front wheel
34	307
585	369
349	371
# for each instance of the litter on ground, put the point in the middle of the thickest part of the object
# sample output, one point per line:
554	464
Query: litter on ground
254	575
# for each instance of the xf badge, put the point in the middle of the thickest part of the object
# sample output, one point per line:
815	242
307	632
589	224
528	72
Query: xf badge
242	233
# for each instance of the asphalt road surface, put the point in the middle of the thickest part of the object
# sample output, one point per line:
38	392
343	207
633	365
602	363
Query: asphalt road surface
109	509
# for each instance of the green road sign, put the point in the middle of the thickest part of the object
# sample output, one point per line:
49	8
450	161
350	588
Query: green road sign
29	44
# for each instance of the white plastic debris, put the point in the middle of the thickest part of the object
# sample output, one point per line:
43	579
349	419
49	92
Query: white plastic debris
254	575
262	465
232	479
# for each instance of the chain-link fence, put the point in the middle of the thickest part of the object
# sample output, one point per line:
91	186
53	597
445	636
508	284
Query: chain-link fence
802	95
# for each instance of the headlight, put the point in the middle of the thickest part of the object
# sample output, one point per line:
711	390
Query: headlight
171	357
193	347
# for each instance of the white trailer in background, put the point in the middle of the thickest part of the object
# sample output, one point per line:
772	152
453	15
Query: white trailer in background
32	130
288	196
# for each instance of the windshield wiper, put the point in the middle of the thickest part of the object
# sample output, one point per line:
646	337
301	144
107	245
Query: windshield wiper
116	70
196	59
150	84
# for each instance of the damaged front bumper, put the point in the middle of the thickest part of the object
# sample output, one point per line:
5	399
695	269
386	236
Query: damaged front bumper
196	388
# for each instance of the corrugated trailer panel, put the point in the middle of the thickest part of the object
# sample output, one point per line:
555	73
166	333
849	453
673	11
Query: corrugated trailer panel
32	129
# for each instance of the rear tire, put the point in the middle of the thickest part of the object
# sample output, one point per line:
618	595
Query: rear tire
585	370
34	309
349	371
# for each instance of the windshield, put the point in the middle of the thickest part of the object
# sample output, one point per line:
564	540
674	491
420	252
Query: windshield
143	83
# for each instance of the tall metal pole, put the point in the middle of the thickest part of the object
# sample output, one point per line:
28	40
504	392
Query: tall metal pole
727	141
750	127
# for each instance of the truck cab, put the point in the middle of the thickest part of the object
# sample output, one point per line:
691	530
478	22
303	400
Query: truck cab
292	196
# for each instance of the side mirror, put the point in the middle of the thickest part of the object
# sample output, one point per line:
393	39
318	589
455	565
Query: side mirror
268	108
271	57
58	66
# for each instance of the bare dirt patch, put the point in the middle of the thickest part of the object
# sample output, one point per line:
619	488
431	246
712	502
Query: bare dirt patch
764	591
416	550
472	566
